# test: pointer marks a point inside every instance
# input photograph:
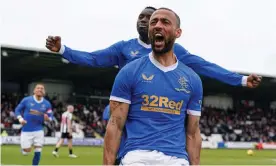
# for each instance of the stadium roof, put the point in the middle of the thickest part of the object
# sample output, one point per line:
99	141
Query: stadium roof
33	65
17	65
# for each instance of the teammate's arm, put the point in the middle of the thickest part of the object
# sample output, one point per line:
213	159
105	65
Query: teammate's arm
49	116
119	112
102	58
119	106
208	69
18	110
193	137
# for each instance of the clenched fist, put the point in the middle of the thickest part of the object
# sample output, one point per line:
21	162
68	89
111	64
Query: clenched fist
53	43
253	81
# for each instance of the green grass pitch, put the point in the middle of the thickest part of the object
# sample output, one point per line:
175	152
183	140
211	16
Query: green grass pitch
11	155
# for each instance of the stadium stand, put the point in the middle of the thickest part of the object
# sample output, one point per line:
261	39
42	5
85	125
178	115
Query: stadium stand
246	124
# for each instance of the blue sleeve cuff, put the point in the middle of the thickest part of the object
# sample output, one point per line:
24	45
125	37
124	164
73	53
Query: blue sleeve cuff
244	81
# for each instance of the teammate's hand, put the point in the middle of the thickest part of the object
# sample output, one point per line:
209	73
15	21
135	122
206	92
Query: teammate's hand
253	81
53	43
22	121
46	117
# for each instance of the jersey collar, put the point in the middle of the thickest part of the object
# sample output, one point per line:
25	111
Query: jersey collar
160	66
37	100
143	44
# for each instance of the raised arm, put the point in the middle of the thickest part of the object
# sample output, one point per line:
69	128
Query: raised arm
112	139
107	57
208	69
193	137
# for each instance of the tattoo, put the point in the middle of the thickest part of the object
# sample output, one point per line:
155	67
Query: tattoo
115	120
193	124
114	105
118	114
196	123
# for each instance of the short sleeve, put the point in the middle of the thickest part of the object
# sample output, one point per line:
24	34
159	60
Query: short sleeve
20	107
121	90
194	105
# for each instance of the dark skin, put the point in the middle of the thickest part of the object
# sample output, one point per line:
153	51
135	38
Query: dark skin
143	25
53	43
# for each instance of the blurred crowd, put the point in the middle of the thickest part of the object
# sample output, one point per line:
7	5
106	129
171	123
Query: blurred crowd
246	124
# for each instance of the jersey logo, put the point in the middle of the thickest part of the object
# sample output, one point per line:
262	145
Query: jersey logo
183	85
162	104
32	104
134	53
35	112
147	78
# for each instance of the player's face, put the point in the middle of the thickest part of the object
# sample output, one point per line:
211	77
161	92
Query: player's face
163	31
39	90
70	108
143	22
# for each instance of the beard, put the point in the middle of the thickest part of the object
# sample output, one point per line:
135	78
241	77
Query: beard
143	32
167	45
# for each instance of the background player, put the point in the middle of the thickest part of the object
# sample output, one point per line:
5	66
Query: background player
123	52
161	91
66	131
31	113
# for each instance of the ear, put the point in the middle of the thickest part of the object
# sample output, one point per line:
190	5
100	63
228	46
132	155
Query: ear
178	32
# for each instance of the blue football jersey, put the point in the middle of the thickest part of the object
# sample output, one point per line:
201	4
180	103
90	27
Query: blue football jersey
33	112
160	99
106	113
124	52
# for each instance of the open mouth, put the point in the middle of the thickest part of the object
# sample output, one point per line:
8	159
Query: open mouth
159	40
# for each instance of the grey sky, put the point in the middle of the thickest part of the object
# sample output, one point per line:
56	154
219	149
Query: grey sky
237	34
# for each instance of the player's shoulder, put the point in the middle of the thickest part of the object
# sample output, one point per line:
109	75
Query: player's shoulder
27	98
69	114
127	42
180	50
136	64
45	101
64	114
130	40
193	76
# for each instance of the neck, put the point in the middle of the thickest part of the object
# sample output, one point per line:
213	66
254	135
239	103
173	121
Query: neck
166	59
144	39
38	98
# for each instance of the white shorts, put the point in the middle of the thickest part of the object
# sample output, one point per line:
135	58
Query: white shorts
146	157
35	138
